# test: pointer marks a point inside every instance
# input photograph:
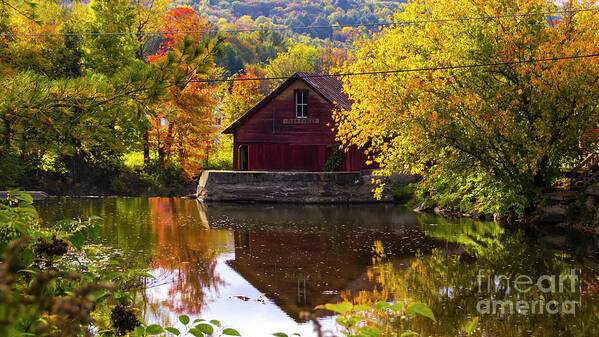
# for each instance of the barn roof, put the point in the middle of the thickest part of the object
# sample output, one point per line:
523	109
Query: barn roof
329	87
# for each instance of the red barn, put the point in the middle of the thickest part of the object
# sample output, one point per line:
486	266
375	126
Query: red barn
290	129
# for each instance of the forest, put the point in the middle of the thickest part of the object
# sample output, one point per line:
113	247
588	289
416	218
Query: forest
109	120
341	17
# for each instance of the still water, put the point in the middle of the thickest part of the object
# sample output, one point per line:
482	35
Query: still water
256	268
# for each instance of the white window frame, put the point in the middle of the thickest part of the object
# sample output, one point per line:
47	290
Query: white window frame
303	104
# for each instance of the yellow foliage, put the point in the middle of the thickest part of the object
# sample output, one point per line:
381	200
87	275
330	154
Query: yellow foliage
513	125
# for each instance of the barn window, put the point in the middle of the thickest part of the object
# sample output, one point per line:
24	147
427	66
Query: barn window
301	103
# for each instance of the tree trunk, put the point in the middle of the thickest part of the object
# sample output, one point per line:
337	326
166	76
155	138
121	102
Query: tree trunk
7	132
540	178
182	156
160	146
169	140
146	141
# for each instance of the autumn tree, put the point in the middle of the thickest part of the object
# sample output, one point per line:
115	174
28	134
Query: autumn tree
240	95
251	48
303	58
64	107
490	137
237	96
184	125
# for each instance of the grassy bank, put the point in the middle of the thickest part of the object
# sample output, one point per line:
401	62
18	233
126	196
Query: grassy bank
126	175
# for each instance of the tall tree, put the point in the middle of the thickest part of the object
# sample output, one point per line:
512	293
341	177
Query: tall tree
148	15
185	125
82	116
304	58
492	137
240	96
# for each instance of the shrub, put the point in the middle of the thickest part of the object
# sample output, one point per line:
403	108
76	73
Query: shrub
219	164
9	170
162	176
403	193
120	186
335	159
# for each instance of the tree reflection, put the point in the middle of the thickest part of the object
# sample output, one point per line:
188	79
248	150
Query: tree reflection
450	286
186	252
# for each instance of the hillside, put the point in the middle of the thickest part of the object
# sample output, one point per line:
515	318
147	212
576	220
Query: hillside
244	49
227	14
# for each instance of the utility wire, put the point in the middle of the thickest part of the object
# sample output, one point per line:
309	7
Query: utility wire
398	71
247	30
405	70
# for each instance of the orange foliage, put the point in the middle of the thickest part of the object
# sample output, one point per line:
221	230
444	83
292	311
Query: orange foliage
183	127
179	19
189	255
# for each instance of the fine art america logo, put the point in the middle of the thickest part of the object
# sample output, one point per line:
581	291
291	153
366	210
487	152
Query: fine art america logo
525	295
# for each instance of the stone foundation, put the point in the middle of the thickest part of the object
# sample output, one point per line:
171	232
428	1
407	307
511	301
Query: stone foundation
292	187
36	195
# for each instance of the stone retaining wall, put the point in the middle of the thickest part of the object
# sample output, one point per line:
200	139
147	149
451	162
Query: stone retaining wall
292	187
36	195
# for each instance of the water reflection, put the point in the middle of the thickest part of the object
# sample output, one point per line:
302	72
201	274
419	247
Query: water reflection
186	254
480	282
256	267
302	256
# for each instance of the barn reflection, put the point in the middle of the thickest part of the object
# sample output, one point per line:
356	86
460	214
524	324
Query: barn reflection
303	256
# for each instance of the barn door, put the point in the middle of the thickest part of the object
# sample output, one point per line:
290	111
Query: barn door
243	158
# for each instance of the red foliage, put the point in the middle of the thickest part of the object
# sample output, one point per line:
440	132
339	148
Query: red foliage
183	127
179	19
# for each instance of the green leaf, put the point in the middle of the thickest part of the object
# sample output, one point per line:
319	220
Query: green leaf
408	333
19	226
26	197
184	319
27	256
230	332
280	334
397	307
173	331
28	211
422	310
154	329
99	294
196	332
205	328
340	308
362	307
471	326
382	305
77	240
122	297
139	331
368	331
215	322
197	320
344	322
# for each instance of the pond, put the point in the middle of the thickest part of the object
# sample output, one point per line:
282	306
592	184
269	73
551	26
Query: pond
257	267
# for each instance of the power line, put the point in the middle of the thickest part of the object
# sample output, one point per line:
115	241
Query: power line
396	71
248	30
405	70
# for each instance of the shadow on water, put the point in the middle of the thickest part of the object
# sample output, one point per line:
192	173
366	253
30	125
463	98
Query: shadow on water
275	261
